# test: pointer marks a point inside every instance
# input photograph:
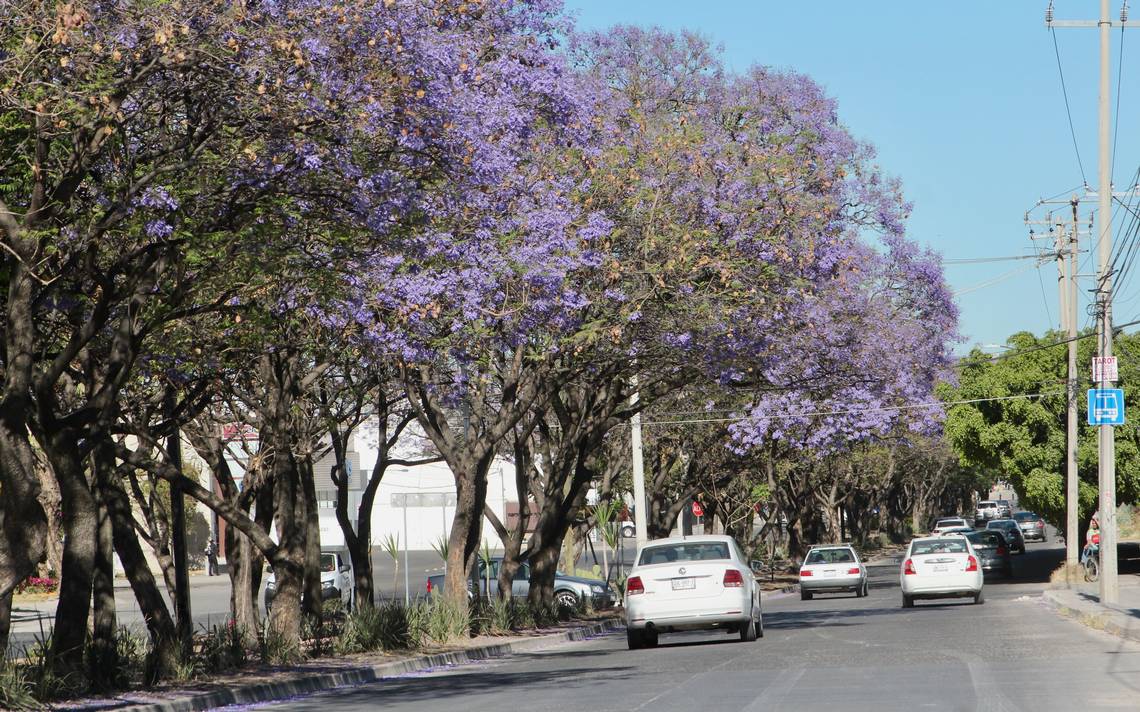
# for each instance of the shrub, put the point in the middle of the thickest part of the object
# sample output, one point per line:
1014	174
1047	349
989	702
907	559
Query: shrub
367	629
438	620
222	649
16	688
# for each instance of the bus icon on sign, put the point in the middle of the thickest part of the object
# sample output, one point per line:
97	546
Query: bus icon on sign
1106	406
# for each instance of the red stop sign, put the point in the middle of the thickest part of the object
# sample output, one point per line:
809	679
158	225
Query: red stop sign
698	510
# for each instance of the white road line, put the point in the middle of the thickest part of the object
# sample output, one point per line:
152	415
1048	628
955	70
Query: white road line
777	690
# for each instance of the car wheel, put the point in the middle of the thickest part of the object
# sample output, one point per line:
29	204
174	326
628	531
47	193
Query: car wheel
866	589
805	595
566	599
760	626
979	598
1007	572
748	631
650	639
908	601
634	639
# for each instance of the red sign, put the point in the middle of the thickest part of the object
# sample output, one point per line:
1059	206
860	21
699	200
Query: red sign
698	510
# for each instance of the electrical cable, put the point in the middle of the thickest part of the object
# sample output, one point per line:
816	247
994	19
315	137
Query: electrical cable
994	280
1045	299
980	260
1068	111
851	411
1119	75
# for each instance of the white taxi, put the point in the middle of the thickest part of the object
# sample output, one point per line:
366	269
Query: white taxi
940	567
691	583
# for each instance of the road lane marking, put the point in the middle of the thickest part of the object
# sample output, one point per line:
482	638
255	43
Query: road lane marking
777	690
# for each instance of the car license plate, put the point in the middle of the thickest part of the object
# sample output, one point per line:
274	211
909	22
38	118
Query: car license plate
939	568
680	584
829	574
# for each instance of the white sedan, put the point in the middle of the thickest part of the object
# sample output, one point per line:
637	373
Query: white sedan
691	583
940	567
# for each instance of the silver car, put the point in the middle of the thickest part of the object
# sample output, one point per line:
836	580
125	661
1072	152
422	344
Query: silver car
831	569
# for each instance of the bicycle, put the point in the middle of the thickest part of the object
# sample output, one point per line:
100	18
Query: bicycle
1090	560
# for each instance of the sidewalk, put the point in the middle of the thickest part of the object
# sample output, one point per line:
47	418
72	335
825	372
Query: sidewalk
1081	602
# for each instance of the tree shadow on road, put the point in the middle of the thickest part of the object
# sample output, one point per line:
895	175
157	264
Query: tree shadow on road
431	689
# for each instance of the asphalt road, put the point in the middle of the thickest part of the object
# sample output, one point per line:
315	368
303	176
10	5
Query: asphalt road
832	653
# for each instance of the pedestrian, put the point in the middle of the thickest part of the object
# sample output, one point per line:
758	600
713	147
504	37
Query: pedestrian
211	558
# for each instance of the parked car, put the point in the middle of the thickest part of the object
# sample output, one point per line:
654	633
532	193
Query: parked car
944	523
568	590
1032	526
828	569
993	551
986	510
940	567
691	583
336	581
1005	508
1012	532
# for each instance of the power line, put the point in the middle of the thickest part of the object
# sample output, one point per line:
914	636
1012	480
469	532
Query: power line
980	260
994	280
1119	75
1045	299
852	411
1068	111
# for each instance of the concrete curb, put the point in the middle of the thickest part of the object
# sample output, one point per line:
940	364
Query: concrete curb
1095	616
304	684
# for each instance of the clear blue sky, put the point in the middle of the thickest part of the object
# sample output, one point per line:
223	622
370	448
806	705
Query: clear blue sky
963	103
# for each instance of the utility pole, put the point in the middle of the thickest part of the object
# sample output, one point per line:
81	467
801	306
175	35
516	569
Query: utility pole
1072	496
1106	446
1067	303
641	510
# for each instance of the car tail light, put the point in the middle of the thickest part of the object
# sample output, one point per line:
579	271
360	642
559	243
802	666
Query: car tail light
1001	551
429	586
805	572
971	564
908	568
634	586
854	570
733	579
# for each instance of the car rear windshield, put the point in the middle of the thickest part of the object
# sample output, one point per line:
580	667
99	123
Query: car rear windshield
955	522
697	551
986	505
939	546
986	538
1002	524
1026	517
830	556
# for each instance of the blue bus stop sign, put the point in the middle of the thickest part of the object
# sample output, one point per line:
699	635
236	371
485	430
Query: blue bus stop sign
1106	406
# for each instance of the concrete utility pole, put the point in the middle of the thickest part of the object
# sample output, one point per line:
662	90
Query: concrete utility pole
1067	303
1106	446
1072	491
641	511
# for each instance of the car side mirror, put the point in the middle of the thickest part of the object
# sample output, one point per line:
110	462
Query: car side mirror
344	569
268	569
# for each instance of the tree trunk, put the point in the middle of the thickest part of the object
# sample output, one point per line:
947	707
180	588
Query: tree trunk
289	569
311	599
23	522
80	521
466	527
160	625
103	660
52	504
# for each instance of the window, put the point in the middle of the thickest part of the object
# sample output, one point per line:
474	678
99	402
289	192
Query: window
669	553
939	546
830	556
